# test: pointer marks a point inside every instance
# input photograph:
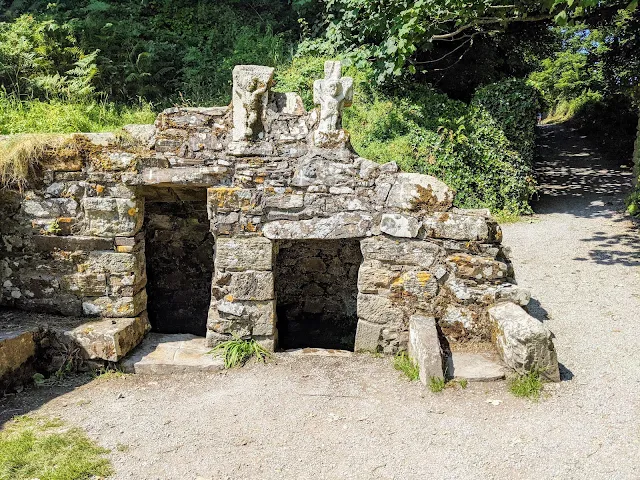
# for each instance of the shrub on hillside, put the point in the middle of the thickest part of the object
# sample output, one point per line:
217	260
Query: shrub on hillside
427	132
513	104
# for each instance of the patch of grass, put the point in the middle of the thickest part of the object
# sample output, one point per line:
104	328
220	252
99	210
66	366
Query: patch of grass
21	155
437	384
505	216
529	385
36	116
108	373
42	448
237	352
463	382
405	364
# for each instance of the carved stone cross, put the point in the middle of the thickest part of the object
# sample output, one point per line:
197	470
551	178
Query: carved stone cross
251	85
332	94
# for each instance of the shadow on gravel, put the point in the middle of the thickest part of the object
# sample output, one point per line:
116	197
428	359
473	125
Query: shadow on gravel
576	180
31	398
565	373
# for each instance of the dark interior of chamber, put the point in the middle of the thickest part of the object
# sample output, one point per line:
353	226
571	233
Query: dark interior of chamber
316	292
179	261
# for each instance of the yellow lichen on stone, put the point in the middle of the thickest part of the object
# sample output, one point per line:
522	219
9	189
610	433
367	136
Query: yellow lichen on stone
132	211
229	298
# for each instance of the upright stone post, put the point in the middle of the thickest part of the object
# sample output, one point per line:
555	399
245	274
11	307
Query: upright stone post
333	93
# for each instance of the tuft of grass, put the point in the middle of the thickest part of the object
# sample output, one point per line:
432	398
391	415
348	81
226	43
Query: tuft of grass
529	385
463	382
437	384
108	373
21	155
237	352
505	216
33	447
406	365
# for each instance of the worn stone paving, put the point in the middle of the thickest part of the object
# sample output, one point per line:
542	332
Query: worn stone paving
357	418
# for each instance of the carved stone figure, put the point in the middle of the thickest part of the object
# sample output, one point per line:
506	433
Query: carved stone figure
332	94
250	97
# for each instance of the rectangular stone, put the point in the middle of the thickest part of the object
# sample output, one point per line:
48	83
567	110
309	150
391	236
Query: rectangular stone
479	268
49	243
110	217
110	339
378	309
457	226
424	347
85	284
243	253
341	225
252	285
374	276
16	348
193	176
420	253
367	337
523	342
115	307
115	263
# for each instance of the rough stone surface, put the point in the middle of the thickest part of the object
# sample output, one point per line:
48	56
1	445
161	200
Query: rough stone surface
424	347
523	342
17	347
110	339
164	354
475	367
269	173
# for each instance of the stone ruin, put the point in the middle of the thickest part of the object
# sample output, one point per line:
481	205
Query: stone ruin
256	220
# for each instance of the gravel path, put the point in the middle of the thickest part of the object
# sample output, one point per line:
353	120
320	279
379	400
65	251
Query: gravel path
356	418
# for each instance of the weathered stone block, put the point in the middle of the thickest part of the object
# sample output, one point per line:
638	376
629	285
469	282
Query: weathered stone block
457	227
231	199
243	253
378	309
251	285
85	284
115	307
417	192
242	318
478	268
415	286
424	347
110	339
420	253
49	243
374	275
341	225
108	217
16	348
367	337
523	342
398	225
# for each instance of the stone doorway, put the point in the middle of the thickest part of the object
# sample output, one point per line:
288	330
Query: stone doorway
179	261
316	292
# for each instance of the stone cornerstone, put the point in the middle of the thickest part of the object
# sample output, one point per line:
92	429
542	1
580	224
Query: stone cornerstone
271	174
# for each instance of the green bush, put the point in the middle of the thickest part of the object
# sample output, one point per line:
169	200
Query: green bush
513	104
427	132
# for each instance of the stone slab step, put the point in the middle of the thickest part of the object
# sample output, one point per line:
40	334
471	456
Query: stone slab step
318	352
163	354
475	367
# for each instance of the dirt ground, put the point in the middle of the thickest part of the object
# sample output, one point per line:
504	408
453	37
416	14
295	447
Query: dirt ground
358	418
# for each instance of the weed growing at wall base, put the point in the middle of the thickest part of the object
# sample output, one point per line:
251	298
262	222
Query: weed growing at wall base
237	352
529	385
405	364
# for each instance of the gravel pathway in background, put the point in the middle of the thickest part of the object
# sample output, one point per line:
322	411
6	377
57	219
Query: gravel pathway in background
357	418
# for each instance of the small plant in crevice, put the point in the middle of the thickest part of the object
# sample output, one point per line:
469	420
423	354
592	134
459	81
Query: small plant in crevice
238	351
463	382
437	384
109	372
405	364
529	385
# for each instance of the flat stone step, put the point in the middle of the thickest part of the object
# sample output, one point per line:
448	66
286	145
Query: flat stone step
164	354
475	367
318	352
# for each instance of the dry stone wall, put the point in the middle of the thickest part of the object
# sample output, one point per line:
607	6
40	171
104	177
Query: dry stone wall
274	175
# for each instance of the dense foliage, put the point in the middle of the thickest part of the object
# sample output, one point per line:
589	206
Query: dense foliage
425	131
97	64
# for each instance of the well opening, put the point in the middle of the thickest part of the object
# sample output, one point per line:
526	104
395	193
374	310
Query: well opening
316	291
179	259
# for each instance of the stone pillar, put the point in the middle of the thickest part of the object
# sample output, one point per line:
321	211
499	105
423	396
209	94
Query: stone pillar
242	292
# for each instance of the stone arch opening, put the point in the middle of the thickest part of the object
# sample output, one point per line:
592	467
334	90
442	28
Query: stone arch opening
179	260
316	293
